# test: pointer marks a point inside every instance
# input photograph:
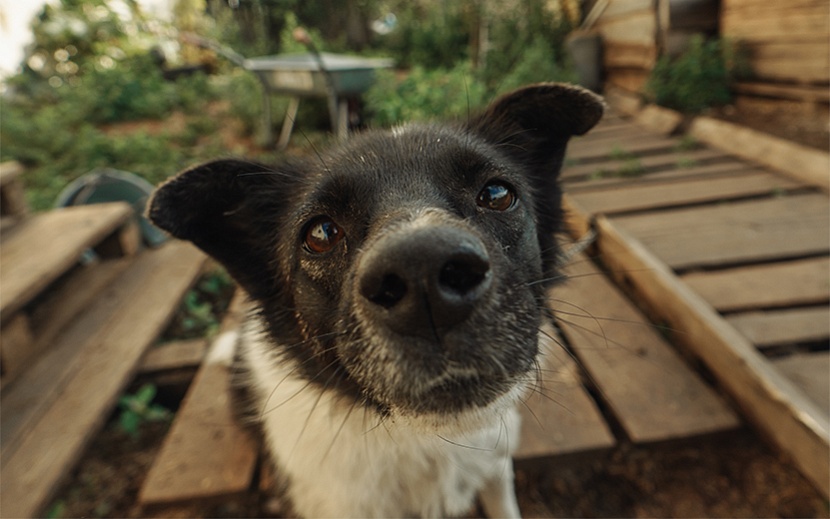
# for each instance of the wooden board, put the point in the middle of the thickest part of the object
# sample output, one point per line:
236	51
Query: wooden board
781	327
49	244
639	28
801	162
805	61
662	121
795	423
791	283
559	416
642	165
739	232
652	393
207	454
52	443
714	170
657	195
776	25
811	373
638	142
16	342
174	355
817	94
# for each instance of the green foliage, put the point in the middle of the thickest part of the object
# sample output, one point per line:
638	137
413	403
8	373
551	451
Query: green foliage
424	94
138	408
539	62
698	79
202	307
434	36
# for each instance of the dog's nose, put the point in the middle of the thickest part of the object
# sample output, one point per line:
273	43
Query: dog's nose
424	281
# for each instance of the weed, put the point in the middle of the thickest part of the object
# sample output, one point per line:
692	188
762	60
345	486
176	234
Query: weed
139	408
686	143
631	168
618	153
686	162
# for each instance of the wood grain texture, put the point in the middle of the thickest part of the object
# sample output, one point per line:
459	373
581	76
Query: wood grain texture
648	387
800	162
636	142
810	372
639	166
49	244
797	425
739	232
560	417
790	283
659	195
52	443
781	327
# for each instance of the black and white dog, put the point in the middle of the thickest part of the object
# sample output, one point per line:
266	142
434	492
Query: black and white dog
399	282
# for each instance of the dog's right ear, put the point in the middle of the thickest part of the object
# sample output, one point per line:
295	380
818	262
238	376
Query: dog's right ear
228	208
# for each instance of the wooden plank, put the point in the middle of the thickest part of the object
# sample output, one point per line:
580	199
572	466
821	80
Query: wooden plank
636	143
49	244
639	28
777	285
174	355
619	8
629	55
629	79
737	232
637	166
658	195
815	94
795	423
15	346
780	327
801	162
559	416
102	368
623	100
650	390
662	121
782	25
713	170
810	372
12	194
207	454
805	61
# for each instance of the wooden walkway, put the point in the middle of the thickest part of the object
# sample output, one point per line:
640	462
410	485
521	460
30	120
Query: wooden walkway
728	259
732	256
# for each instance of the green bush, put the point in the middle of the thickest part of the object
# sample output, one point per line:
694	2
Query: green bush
538	63
424	94
697	79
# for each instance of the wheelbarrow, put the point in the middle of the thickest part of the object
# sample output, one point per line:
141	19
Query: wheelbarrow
336	77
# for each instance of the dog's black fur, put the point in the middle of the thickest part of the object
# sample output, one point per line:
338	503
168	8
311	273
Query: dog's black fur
405	270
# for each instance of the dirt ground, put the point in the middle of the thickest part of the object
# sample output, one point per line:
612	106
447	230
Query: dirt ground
736	475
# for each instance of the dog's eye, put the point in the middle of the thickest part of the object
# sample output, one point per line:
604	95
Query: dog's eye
496	196
322	234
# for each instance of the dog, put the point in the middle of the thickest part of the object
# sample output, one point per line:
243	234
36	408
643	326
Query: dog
399	283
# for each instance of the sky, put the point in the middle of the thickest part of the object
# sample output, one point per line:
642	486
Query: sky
15	16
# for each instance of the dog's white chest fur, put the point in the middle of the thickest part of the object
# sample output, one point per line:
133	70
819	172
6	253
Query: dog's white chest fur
342	460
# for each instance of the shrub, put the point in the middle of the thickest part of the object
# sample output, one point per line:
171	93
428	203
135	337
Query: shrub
424	94
697	79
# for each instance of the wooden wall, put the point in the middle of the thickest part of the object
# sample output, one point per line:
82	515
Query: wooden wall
786	41
629	32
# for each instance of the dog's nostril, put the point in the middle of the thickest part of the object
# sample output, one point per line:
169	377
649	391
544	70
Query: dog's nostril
389	292
461	275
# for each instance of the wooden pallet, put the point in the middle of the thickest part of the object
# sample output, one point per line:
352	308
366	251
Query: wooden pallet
735	258
53	408
607	378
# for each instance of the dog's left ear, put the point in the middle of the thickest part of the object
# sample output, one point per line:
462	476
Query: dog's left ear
533	124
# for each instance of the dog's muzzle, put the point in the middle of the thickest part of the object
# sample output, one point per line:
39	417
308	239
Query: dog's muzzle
425	281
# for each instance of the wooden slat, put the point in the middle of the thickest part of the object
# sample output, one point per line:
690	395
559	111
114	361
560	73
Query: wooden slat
560	417
795	92
174	355
807	61
650	390
791	283
801	162
780	25
637	142
740	232
672	194
632	80
642	165
15	346
795	423
636	28
659	120
630	55
206	455
811	373
50	446
717	169
780	327
48	245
